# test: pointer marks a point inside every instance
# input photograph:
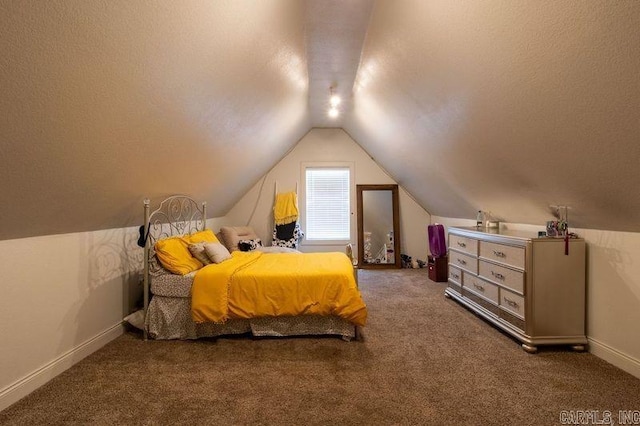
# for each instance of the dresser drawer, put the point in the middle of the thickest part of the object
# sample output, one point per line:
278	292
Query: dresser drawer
455	275
509	255
512	302
480	287
463	261
503	276
464	244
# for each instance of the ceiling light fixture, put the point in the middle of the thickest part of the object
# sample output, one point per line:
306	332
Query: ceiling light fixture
334	101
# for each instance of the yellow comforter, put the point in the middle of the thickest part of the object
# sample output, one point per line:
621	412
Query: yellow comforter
255	284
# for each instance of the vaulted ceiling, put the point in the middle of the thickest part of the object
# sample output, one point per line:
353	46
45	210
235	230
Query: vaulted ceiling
504	106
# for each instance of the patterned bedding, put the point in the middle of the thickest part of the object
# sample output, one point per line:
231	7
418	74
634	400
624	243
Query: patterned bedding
164	283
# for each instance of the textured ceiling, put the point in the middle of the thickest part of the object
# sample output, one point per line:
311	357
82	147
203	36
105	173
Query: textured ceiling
506	106
105	103
497	105
335	34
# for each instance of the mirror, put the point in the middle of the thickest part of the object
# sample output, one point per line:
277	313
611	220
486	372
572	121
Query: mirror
378	226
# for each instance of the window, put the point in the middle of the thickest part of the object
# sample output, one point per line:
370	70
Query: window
328	203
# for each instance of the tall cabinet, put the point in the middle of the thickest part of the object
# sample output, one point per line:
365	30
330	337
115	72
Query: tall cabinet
525	285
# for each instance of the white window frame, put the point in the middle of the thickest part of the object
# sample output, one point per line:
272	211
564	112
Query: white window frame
303	200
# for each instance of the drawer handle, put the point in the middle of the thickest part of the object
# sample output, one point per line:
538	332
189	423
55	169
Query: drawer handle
499	253
461	244
456	276
498	275
510	302
479	287
462	261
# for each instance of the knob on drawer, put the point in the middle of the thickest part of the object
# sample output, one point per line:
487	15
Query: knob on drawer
497	275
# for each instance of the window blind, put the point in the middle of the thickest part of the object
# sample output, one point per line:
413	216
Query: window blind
328	211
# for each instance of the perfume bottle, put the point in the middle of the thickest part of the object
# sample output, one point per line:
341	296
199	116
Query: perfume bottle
480	219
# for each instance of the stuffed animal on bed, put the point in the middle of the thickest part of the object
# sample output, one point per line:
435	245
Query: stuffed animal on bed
249	245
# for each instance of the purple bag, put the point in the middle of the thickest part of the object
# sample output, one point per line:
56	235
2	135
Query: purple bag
437	242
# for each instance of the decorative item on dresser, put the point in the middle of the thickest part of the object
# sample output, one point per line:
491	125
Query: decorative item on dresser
523	284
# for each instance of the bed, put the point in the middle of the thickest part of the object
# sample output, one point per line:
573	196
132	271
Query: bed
170	303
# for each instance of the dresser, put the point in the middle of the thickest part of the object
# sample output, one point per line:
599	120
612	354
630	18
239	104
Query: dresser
525	285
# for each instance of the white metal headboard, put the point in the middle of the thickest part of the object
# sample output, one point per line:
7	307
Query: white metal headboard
175	215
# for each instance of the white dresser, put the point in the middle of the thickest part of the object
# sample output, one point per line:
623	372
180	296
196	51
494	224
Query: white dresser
523	284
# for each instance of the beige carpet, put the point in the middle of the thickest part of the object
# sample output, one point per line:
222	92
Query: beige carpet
424	360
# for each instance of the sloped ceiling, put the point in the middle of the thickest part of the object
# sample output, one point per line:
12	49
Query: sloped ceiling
105	103
335	33
504	106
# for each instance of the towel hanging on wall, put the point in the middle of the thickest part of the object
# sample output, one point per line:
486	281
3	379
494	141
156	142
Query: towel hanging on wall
285	209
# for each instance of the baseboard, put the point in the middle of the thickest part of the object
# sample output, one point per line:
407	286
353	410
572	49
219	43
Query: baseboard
615	357
33	381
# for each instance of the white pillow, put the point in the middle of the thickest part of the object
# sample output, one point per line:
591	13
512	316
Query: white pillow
216	252
197	251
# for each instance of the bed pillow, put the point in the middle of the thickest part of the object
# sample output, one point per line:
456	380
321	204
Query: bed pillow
233	234
249	245
205	236
216	252
220	238
197	251
173	253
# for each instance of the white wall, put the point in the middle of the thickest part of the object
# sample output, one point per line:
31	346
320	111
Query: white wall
613	297
327	145
63	297
613	292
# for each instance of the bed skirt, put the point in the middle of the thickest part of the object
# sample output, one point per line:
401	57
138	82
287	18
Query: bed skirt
170	318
